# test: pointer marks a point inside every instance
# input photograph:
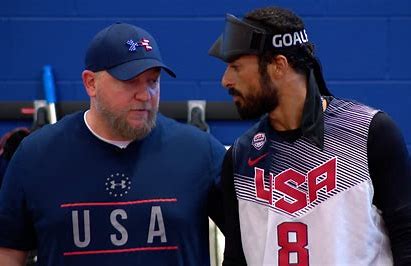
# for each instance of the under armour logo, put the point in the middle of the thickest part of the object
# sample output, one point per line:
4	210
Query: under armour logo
118	184
122	184
142	43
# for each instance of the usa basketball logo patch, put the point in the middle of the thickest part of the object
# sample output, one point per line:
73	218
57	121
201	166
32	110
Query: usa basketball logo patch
259	140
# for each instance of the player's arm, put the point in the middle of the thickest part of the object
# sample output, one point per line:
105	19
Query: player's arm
233	252
215	207
12	257
390	170
17	233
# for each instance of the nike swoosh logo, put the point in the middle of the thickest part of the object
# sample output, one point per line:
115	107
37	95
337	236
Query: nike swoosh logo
252	162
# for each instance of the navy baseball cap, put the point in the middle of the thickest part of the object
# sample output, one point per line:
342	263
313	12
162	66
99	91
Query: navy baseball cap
124	51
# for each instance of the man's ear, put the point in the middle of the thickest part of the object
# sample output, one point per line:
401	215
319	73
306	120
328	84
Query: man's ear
278	67
89	82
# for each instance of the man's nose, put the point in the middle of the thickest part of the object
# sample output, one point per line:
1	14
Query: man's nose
143	94
227	80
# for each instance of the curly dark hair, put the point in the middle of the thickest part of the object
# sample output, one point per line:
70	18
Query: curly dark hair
279	20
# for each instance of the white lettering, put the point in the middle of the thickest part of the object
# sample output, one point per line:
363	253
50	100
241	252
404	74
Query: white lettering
277	41
288	42
76	229
297	38
289	39
306	36
156	218
124	235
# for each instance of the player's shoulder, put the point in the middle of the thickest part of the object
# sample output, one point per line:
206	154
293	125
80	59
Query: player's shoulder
339	105
52	132
256	131
382	124
176	128
176	131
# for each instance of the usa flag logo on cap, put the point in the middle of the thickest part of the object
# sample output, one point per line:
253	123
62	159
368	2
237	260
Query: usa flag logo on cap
142	43
259	140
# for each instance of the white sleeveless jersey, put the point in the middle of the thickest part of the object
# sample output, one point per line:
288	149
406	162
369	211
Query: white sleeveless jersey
307	206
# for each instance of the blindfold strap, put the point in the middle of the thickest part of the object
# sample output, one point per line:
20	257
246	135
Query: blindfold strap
312	122
318	73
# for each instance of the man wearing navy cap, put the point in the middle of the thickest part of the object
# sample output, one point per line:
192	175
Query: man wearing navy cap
318	180
118	184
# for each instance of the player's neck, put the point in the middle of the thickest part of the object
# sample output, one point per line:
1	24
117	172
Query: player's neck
291	99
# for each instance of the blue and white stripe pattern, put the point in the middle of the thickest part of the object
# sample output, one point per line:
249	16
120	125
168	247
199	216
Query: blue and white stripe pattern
346	127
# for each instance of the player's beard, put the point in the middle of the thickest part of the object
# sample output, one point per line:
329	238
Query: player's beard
121	127
263	101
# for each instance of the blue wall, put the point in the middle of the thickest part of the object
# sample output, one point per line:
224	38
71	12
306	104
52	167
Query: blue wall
364	47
